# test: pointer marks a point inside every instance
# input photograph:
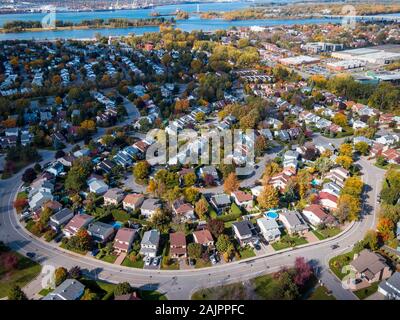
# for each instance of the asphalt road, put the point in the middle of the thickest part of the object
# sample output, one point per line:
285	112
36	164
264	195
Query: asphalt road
179	284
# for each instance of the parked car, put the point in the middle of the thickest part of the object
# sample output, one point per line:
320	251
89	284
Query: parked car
213	259
30	255
156	261
147	261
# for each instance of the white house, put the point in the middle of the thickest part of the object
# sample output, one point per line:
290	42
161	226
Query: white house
269	229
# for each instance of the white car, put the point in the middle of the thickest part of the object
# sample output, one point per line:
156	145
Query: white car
147	261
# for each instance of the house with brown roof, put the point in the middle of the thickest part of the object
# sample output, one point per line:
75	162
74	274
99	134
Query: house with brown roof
123	240
369	267
133	201
79	221
177	245
242	199
113	197
203	237
184	211
315	215
328	200
280	180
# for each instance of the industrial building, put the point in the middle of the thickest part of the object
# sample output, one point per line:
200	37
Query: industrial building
298	60
380	55
318	47
345	65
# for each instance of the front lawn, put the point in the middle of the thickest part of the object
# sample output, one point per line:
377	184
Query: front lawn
110	258
200	263
321	293
138	263
65	246
24	272
366	292
326	233
246	252
288	242
337	263
235	291
45	292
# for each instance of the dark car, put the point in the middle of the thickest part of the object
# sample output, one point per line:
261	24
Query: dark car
30	255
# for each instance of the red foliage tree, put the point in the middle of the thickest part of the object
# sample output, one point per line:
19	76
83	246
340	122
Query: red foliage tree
303	271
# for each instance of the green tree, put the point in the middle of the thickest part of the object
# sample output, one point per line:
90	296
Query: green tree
141	170
16	293
60	275
122	288
362	147
194	250
223	243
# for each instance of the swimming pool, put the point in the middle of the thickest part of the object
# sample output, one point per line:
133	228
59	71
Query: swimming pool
272	214
314	182
117	225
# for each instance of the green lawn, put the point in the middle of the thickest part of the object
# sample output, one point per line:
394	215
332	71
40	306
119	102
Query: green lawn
26	271
152	295
337	263
110	258
235	291
326	233
45	292
62	245
139	263
321	293
246	252
366	292
288	242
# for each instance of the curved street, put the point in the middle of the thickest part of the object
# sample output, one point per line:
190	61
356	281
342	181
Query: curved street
179	284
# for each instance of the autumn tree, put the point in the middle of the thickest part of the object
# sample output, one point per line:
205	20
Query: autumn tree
353	186
201	208
340	119
223	243
216	227
141	170
348	208
362	147
194	250
346	149
344	161
191	194
271	169
268	198
231	183
60	275
385	228
189	179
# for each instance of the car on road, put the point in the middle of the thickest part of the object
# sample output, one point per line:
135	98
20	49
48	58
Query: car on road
30	255
147	261
334	246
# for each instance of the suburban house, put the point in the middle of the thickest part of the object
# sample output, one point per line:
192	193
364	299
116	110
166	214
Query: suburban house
332	188
123	240
70	289
269	229
203	237
79	221
242	199
149	207
208	171
177	245
113	197
97	186
60	218
280	180
243	231
338	175
390	288
369	267
316	216
293	222
183	210
132	201
39	198
150	242
56	168
328	200
256	191
220	202
100	232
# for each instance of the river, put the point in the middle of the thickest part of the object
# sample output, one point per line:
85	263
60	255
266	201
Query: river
193	23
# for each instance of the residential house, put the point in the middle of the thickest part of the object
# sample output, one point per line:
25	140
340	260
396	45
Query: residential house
293	222
328	200
257	190
79	221
70	289
280	180
150	242
221	202
338	175
269	229
203	237
149	207
332	188
60	218
208	171
106	166
56	168
184	211
123	240
177	245
67	161
243	231
369	267
97	186
100	232
390	288
242	199
113	197
133	201
315	215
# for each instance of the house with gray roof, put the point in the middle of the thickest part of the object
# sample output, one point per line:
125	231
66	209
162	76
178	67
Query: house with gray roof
220	202
70	289
60	218
100	232
150	242
243	231
293	222
269	229
390	288
149	207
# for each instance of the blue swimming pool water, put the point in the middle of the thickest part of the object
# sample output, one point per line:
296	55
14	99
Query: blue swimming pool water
117	225
272	214
315	182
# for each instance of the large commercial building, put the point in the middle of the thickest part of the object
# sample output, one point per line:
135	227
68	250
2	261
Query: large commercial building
345	65
317	47
298	60
376	55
